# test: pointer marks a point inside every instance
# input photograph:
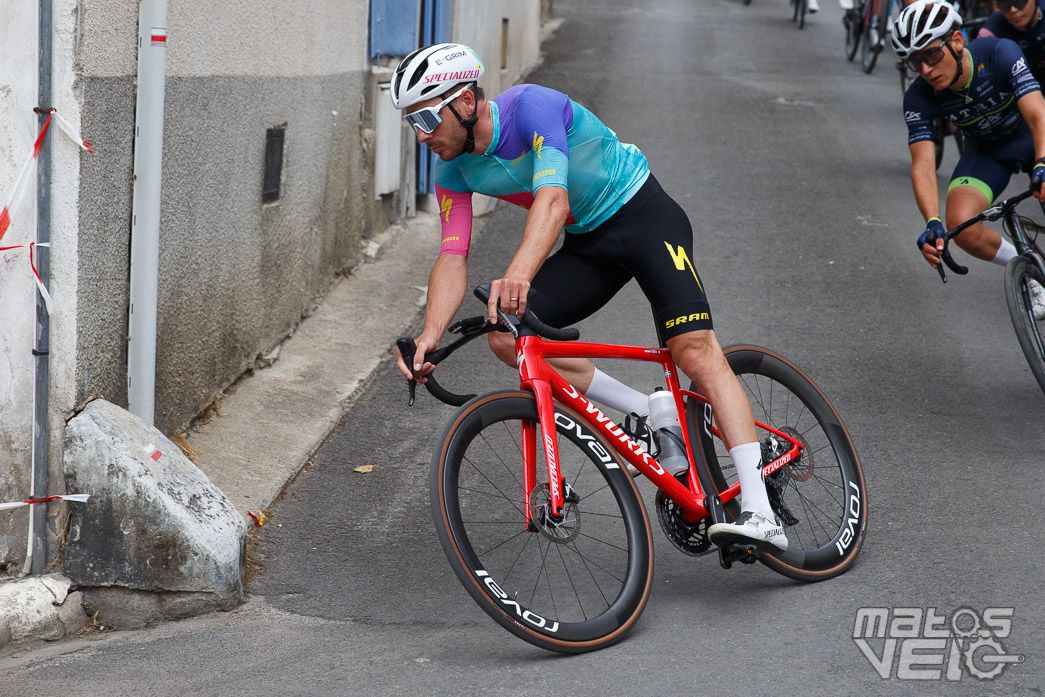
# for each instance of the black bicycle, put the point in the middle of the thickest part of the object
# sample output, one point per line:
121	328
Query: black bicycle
1022	272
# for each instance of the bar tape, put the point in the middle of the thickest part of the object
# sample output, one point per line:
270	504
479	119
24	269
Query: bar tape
81	498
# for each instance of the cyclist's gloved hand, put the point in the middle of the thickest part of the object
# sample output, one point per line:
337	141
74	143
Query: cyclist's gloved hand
1037	176
933	231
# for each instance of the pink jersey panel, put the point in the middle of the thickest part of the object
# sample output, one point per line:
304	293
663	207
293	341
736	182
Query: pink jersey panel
455	216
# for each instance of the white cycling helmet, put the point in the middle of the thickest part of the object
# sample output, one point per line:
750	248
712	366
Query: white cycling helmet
921	23
430	71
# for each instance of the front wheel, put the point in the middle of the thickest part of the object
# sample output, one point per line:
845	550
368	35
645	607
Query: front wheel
1020	273
820	496
569	583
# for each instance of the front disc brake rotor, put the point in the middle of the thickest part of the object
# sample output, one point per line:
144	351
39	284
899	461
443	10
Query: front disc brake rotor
559	529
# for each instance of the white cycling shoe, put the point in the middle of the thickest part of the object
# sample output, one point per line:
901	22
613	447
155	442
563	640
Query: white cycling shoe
1037	299
750	528
812	6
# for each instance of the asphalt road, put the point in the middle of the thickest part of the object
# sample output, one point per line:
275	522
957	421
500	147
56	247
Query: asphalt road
793	167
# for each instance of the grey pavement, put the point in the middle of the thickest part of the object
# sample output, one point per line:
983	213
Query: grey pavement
268	424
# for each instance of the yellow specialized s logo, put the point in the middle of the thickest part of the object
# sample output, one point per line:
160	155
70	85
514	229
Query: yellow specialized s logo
444	206
538	143
681	260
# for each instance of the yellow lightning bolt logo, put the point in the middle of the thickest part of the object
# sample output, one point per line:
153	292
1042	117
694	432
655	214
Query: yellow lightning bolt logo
445	205
681	260
538	142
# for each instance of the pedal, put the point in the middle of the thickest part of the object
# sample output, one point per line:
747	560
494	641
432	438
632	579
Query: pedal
745	554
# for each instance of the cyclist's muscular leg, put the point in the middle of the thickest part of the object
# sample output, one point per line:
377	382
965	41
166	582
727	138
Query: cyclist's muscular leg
964	202
699	356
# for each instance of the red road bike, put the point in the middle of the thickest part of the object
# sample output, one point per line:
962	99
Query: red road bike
542	523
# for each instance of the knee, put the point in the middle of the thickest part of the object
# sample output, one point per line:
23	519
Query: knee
503	346
695	349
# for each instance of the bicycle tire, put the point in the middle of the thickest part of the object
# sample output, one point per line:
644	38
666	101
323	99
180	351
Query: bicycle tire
519	576
1029	331
853	23
869	52
824	487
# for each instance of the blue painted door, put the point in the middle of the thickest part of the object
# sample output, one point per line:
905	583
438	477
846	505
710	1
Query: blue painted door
393	27
436	19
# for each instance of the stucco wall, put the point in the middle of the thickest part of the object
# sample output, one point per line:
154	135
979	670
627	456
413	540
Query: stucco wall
478	23
235	277
18	88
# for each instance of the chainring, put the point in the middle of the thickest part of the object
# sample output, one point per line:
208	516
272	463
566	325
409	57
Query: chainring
690	538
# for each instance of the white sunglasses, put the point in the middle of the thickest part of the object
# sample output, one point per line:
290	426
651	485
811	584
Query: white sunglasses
426	120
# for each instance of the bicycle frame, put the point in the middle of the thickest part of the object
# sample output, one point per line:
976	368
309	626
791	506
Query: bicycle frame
547	386
1024	247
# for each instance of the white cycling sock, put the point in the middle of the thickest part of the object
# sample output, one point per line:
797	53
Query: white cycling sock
613	393
1005	252
753	497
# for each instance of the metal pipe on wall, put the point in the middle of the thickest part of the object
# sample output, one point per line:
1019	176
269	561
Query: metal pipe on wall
145	209
36	555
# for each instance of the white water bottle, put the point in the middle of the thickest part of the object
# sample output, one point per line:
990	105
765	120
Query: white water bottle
664	418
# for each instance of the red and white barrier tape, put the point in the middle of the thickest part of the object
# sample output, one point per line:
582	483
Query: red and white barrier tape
36	274
81	498
22	183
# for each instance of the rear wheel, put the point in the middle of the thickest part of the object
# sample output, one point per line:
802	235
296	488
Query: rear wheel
1019	274
572	583
870	47
820	496
853	29
799	16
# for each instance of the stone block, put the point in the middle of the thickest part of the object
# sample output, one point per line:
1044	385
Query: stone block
153	523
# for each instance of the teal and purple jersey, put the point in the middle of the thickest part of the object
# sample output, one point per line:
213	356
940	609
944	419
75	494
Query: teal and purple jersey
540	138
984	108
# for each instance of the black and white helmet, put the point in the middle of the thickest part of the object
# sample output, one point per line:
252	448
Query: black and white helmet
921	23
431	71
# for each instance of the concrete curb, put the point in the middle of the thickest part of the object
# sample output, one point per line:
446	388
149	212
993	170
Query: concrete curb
37	609
271	422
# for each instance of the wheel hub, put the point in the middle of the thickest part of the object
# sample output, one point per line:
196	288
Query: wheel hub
559	529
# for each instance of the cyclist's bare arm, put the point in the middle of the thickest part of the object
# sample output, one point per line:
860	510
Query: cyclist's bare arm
447	285
926	194
1032	107
544	224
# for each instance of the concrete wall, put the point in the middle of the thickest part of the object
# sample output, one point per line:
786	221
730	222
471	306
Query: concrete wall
479	23
235	276
18	86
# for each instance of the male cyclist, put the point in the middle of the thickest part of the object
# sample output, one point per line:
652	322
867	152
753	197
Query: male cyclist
1020	21
987	90
537	148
